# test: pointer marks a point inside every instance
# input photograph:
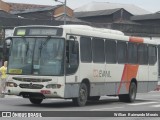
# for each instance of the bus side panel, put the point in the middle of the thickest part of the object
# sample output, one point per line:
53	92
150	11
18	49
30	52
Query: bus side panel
142	80
117	73
100	89
71	90
72	84
95	74
153	77
112	74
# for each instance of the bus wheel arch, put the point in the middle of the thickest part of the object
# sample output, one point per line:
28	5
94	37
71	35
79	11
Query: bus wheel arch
87	82
135	81
131	96
84	89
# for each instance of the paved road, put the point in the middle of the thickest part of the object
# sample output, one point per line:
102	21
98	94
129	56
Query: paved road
144	102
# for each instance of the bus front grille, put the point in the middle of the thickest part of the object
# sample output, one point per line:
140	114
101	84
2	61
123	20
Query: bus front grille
31	79
31	86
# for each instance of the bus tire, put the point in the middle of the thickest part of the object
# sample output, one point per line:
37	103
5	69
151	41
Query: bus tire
94	98
82	97
35	100
132	94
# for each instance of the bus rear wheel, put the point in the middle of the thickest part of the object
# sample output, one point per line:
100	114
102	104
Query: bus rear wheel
83	94
132	94
35	100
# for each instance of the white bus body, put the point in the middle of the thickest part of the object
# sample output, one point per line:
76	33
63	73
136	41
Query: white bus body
87	80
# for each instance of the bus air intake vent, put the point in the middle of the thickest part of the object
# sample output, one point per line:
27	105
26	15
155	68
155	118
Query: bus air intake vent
31	79
31	86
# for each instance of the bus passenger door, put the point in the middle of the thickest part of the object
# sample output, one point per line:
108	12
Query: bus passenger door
71	67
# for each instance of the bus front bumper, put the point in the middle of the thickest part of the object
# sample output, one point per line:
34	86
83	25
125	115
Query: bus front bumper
26	93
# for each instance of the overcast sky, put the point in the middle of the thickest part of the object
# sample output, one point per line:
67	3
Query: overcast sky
149	5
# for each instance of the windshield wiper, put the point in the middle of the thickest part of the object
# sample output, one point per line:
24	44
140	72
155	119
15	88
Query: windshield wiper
26	43
44	43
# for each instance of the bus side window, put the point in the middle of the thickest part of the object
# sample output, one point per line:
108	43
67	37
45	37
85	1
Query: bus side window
152	54
67	52
132	53
72	56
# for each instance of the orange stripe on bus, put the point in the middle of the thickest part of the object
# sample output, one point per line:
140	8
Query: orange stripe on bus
136	39
129	72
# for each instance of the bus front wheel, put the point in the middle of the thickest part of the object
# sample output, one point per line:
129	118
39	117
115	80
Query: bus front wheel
131	96
83	94
35	100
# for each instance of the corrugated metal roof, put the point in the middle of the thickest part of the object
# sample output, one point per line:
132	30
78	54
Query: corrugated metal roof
12	22
68	18
35	10
37	15
146	17
95	6
22	6
7	15
95	13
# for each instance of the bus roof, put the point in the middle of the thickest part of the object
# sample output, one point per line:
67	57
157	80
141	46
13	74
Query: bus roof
114	33
86	27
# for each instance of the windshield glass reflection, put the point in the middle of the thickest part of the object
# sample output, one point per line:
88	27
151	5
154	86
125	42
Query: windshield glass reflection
37	56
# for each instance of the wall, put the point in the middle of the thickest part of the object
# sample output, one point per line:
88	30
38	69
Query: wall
137	29
38	15
149	22
4	6
8	33
50	14
121	15
98	19
60	10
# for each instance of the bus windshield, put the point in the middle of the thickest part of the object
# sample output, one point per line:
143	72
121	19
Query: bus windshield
36	56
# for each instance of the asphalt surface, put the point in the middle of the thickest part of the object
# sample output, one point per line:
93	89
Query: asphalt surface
145	102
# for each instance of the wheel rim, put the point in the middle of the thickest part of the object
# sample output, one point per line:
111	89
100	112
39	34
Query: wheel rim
133	92
83	95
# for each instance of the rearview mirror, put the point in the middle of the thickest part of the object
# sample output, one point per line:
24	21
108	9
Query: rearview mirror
6	46
7	42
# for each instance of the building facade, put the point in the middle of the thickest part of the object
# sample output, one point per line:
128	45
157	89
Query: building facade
4	6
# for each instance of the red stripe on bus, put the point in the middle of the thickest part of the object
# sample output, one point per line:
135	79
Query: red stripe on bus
129	72
136	39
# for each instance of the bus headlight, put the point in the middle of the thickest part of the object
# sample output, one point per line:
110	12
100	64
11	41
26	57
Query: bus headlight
53	86
11	84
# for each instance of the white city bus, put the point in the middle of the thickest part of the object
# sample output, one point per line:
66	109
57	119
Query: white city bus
79	62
